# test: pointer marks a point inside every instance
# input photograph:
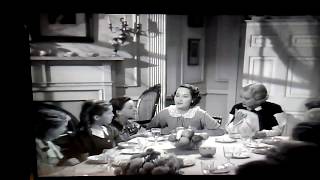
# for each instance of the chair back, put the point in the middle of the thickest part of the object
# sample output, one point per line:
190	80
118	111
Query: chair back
291	123
218	118
72	124
147	104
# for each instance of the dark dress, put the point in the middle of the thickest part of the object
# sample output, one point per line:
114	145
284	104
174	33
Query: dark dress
125	131
265	114
86	142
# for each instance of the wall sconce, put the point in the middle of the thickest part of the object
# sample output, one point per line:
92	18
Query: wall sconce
125	32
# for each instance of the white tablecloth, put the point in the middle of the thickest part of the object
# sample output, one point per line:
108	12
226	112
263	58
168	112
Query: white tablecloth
87	169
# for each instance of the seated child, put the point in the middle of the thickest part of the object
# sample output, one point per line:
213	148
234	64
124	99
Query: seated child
96	133
49	125
124	111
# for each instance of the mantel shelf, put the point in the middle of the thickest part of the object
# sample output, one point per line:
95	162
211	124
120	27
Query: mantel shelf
76	58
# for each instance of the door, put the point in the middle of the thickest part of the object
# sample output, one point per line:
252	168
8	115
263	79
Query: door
284	55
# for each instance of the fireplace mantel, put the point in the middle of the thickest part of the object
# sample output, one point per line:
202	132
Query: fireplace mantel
76	58
73	78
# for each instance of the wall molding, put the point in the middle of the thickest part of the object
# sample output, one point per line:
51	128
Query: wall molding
281	22
74	84
305	40
217	91
68	95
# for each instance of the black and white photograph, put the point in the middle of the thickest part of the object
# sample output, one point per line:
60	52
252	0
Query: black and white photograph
174	94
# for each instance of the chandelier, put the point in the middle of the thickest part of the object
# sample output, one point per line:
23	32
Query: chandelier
125	32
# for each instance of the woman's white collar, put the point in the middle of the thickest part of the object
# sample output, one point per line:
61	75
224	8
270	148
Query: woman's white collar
189	114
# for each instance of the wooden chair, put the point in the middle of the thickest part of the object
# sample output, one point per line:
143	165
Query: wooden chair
72	126
218	118
147	104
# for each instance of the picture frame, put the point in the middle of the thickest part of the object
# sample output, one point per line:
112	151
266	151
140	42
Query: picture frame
193	52
62	27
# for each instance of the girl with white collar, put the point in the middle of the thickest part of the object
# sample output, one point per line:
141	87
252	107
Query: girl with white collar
95	132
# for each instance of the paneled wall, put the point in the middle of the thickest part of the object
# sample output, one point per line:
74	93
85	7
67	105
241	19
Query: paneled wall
284	55
221	63
70	80
178	70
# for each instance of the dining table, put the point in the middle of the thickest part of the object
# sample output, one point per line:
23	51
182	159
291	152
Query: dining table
105	163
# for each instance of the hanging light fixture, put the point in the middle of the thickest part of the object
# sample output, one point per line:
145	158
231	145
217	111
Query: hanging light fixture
125	31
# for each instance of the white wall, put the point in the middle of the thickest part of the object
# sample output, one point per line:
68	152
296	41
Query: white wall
220	37
222	54
178	72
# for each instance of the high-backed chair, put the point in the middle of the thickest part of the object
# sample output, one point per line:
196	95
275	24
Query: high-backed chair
72	126
218	118
147	104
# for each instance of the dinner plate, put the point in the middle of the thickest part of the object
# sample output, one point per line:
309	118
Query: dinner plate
225	139
97	159
256	145
131	151
127	144
260	151
240	155
161	138
235	136
271	141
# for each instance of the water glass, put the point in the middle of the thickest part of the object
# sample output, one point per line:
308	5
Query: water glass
207	167
228	152
179	129
109	160
156	132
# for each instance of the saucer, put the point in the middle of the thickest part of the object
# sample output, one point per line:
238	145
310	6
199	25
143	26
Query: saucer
221	169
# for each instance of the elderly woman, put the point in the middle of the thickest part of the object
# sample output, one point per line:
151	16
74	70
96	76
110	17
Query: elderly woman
255	114
186	114
124	111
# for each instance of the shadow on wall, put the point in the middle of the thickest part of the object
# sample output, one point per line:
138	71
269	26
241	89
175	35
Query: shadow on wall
129	47
284	53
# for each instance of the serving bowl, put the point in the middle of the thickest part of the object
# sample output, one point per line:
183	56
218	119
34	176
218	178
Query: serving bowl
207	151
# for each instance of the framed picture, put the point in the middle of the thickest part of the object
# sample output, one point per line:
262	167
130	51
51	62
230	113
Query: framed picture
193	52
62	27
